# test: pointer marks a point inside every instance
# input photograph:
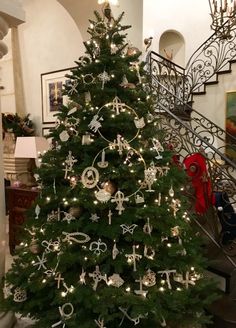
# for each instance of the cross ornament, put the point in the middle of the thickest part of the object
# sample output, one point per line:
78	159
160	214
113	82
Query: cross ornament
140	291
167	273
133	258
119	199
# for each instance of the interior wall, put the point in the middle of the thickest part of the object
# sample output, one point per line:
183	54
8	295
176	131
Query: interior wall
49	41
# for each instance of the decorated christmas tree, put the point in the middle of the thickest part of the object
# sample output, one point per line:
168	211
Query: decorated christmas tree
108	242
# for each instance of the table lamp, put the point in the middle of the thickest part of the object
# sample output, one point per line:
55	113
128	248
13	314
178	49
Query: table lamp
32	148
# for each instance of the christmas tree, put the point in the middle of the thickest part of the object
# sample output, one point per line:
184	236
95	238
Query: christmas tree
109	243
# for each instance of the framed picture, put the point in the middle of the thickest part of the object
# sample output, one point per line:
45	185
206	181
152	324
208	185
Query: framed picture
52	98
230	124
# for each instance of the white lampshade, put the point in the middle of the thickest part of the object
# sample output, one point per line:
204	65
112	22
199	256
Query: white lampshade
30	147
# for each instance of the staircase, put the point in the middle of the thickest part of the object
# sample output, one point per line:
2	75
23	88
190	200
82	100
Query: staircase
189	132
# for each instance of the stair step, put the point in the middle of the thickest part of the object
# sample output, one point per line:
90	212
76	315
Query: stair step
223	312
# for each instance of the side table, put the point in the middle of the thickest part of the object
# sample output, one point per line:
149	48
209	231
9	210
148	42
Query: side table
18	200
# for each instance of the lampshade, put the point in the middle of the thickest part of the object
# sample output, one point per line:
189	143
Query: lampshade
30	147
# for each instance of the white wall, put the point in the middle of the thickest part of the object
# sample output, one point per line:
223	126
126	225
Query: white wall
49	40
189	17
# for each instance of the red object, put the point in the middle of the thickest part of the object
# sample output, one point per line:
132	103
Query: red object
196	168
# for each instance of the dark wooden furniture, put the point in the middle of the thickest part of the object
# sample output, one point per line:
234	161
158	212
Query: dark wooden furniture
18	200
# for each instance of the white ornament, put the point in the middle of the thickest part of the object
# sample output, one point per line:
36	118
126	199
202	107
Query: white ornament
64	136
147	227
19	295
94	217
72	111
149	279
109	217
59	280
90	177
136	66
129	229
73	237
51	246
69	163
149	252
100	323
66	312
139	122
118	106
185	281
139	198
37	211
82	277
103	164
104	77
88	78
103	196
87	97
167	274
86	139
175	205
150	117
73	85
115	252
98	247
132	258
157	147
119	199
68	217
115	280
140	291
171	192
95	124
41	262
97	277
150	176
163	322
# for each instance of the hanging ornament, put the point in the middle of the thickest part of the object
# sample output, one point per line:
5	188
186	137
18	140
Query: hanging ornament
87	97
119	199
82	277
157	147
72	111
136	321
59	279
115	251
100	323
88	78
139	122
77	237
109	217
97	277
118	106
171	192
150	117
103	196
19	295
129	229
95	124
140	291
68	217
175	205
94	217
175	231
100	28
69	163
86	139
139	198
136	66
40	262
149	252
66	311
64	136
150	176
90	177
98	247
167	274
149	279
115	280
133	258
103	164
104	78
37	211
163	322
73	87
147	227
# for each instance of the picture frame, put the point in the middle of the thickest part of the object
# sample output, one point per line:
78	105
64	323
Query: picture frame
51	90
230	125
